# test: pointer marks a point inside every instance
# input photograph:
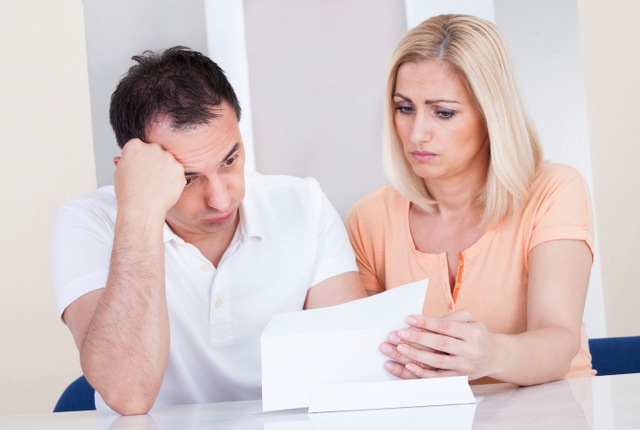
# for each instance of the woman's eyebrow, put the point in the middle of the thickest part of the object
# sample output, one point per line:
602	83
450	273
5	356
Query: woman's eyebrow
428	101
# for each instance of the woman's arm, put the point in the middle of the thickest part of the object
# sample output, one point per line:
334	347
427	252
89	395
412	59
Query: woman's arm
458	344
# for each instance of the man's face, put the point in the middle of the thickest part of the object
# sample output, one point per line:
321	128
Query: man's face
213	159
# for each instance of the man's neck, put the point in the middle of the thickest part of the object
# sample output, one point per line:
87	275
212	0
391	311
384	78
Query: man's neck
212	245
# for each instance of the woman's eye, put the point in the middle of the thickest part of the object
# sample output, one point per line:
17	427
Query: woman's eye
445	113
189	180
404	109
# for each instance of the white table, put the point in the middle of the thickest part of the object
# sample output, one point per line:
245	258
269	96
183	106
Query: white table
603	402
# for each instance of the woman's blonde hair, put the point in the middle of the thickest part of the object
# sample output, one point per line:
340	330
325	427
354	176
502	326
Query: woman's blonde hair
477	53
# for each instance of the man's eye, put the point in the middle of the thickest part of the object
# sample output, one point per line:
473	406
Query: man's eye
231	161
189	180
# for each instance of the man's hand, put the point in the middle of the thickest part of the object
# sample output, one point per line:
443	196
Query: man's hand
148	180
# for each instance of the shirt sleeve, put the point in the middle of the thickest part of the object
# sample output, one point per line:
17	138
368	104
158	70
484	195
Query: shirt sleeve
358	235
563	208
334	253
80	251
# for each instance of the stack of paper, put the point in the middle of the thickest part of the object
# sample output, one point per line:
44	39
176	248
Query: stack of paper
328	359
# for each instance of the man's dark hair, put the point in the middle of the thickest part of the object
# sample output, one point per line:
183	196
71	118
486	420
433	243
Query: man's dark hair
177	84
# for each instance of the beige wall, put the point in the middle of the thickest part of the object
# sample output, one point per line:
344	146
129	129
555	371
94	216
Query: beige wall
611	57
45	137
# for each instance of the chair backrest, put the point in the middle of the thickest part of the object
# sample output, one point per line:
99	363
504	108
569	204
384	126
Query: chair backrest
615	355
78	396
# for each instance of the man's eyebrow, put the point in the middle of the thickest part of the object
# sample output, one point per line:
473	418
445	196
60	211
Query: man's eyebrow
233	151
428	102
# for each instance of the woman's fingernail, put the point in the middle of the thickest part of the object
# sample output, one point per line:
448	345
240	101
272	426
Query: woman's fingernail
404	349
411	320
404	334
388	365
386	348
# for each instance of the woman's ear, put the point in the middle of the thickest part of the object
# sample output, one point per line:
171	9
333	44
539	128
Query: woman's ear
115	161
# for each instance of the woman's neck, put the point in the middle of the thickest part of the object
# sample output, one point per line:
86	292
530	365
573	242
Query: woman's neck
457	197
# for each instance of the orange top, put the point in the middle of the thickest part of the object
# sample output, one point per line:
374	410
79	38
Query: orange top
493	273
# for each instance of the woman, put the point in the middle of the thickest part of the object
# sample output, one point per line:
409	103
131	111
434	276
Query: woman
505	239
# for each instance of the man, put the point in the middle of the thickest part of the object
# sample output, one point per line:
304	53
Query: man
167	279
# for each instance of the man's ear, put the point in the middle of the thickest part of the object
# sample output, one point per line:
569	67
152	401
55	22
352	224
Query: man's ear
115	161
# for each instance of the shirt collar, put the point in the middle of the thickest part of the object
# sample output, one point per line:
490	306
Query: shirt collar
252	222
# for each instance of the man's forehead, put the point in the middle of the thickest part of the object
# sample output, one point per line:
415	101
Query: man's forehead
210	144
172	123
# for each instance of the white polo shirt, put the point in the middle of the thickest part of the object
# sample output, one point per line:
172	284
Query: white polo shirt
289	239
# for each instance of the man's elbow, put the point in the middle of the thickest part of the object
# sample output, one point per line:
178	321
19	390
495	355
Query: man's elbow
129	403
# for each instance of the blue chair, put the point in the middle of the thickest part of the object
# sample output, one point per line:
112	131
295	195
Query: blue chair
615	355
78	396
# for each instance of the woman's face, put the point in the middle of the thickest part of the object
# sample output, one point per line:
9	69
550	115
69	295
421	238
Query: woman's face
442	132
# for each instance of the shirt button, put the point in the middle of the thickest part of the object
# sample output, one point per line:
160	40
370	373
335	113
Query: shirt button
205	267
218	304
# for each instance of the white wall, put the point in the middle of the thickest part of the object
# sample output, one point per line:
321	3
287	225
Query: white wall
317	73
45	137
116	30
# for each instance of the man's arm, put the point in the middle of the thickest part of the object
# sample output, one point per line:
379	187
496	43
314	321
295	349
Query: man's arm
122	331
335	290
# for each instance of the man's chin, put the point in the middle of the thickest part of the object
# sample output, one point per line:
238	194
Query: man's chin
218	223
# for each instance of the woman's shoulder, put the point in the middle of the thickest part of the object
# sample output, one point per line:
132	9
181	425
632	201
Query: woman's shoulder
384	199
552	177
554	172
558	186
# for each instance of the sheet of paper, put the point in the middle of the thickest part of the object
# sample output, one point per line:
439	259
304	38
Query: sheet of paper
391	394
450	417
303	350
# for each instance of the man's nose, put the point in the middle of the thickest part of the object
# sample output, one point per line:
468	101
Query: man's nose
217	195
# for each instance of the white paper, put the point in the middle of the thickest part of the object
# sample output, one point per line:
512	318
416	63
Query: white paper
303	350
391	394
450	417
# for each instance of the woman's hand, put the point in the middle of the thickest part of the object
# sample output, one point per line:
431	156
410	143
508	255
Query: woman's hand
456	344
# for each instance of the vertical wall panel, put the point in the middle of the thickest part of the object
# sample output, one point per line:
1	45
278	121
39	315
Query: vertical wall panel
45	136
611	51
227	47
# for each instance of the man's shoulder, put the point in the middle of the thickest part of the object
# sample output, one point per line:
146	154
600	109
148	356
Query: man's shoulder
271	190
279	202
279	183
101	202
